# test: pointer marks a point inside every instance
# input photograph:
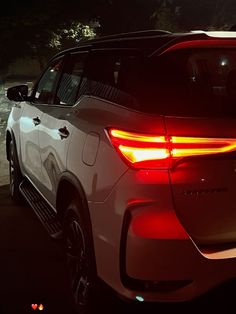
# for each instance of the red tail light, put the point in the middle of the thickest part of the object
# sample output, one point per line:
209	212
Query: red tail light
154	151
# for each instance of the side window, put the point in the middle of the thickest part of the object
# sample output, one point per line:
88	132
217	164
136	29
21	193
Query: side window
46	88
70	80
109	75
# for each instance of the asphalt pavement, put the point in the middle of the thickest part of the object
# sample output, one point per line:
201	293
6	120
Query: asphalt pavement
32	271
31	263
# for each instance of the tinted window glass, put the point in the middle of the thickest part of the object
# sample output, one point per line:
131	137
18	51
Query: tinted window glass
45	91
106	78
192	82
68	87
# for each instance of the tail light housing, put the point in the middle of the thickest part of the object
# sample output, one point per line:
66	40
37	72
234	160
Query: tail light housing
153	151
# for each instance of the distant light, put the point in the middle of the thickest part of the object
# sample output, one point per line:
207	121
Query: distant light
224	62
139	298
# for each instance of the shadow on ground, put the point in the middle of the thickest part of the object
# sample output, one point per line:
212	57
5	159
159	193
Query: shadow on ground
31	263
32	271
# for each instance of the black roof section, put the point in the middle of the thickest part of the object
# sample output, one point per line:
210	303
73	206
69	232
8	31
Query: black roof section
137	34
141	40
145	41
148	42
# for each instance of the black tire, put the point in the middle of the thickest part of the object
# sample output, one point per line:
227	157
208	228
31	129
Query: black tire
14	175
80	260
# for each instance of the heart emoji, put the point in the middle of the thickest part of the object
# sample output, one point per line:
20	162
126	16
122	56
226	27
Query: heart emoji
34	306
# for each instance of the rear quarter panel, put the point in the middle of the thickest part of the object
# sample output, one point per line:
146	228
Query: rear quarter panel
92	116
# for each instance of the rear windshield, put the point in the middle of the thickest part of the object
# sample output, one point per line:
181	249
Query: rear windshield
190	82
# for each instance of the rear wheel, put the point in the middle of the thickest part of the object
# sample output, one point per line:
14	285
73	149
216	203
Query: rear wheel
14	175
80	259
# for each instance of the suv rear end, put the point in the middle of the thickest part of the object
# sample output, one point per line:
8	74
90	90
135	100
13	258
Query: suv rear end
172	215
146	165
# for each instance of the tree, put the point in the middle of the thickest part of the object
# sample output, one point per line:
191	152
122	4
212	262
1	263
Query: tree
185	15
70	35
206	14
166	16
40	34
52	25
121	16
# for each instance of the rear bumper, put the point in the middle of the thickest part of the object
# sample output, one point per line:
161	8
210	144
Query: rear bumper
171	270
161	266
164	268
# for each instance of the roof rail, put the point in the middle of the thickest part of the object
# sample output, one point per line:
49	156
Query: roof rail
144	33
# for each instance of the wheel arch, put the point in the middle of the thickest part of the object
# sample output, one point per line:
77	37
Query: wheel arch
9	137
69	187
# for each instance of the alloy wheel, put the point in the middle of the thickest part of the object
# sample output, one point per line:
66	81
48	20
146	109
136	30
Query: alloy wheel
77	263
12	170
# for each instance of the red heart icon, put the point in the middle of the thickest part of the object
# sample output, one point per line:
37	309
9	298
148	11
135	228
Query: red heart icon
34	306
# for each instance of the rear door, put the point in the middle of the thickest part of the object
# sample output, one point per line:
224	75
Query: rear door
197	96
204	186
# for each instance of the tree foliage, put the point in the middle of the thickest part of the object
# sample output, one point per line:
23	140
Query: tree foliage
190	15
40	30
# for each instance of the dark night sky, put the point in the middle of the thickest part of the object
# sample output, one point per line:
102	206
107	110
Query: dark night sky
14	7
121	15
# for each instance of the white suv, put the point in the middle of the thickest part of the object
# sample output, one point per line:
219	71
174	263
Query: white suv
126	147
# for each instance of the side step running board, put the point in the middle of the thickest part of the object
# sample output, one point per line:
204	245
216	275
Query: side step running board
45	213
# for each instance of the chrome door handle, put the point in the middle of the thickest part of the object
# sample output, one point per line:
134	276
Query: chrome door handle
63	132
36	121
17	105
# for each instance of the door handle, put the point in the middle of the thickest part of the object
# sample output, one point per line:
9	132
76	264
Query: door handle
17	105
36	121
63	132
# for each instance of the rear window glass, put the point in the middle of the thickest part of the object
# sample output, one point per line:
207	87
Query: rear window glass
191	82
